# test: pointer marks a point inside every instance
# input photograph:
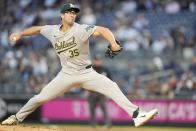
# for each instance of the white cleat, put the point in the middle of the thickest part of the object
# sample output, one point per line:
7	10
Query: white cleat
144	117
12	120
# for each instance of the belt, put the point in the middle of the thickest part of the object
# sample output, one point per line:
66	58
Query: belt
88	66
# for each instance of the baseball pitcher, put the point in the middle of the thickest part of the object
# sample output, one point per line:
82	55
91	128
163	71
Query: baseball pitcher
70	41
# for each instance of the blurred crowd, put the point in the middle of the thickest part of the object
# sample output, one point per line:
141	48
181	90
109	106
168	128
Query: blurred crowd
159	39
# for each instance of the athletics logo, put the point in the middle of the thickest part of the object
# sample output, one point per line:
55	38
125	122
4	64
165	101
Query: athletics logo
63	46
89	27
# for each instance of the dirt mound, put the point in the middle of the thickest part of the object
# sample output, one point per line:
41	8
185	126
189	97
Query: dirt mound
40	127
27	128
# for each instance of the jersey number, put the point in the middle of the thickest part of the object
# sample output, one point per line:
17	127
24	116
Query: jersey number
73	53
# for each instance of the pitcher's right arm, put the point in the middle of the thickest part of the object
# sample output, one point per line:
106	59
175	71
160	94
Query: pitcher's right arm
35	30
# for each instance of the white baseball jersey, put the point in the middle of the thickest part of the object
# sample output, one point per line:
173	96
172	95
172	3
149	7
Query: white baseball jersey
72	46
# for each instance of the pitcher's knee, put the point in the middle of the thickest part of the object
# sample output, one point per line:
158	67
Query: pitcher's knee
39	99
115	84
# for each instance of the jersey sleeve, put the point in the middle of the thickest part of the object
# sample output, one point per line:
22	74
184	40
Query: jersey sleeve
47	31
87	31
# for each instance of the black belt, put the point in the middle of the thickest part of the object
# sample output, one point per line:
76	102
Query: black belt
88	66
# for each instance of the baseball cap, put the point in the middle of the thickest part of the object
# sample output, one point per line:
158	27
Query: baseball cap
69	7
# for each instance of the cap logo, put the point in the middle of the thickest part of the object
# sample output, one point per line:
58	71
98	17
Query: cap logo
68	7
71	5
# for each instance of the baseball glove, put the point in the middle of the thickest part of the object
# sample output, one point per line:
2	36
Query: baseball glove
110	53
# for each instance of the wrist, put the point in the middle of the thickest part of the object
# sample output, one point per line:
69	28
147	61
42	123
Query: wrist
21	34
113	44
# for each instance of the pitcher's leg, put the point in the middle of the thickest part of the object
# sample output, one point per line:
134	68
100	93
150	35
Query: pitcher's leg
55	88
103	85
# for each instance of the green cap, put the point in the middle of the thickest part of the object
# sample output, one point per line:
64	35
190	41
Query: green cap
69	7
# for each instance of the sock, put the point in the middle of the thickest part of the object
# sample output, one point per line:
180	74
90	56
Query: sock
135	113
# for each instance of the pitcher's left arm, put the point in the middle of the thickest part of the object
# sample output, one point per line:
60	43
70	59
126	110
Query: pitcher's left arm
115	47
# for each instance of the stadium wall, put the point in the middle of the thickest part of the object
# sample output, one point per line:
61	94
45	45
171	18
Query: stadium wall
170	111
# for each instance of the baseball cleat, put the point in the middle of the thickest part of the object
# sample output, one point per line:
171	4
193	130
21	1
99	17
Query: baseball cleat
144	117
12	120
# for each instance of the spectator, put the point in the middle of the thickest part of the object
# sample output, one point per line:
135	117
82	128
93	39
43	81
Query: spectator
129	6
153	89
147	39
192	66
185	86
88	17
159	45
172	7
192	6
141	22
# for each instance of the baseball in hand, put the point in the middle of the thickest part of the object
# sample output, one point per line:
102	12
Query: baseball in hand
14	38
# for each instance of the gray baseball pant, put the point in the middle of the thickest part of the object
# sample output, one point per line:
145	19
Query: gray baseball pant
63	82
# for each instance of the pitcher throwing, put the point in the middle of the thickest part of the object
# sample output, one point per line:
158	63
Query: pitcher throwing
70	41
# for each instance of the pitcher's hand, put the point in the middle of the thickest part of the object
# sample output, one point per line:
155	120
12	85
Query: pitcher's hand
14	37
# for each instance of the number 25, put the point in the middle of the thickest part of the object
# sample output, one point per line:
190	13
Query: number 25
73	53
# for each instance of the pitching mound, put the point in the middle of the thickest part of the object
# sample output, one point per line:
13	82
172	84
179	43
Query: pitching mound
29	127
34	127
22	127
